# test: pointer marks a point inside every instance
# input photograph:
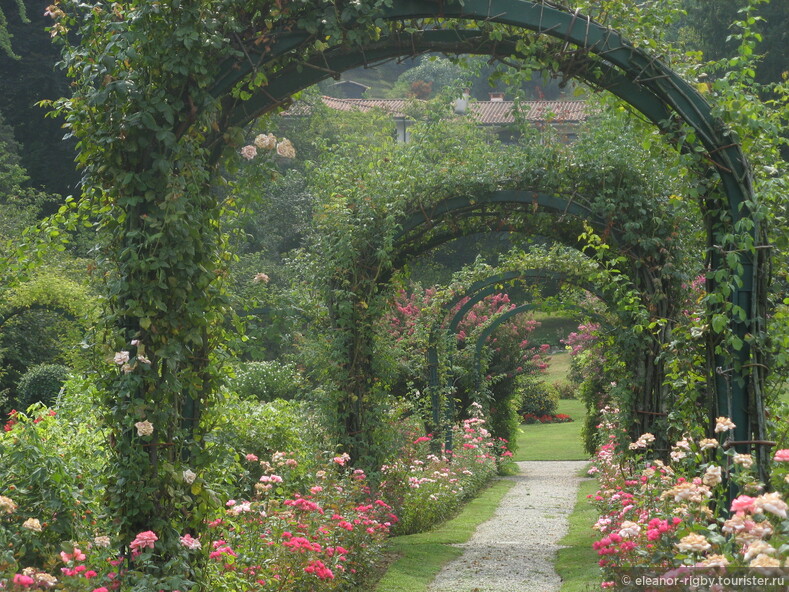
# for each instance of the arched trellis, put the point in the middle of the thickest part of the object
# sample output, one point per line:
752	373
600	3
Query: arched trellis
422	231
475	293
150	132
605	59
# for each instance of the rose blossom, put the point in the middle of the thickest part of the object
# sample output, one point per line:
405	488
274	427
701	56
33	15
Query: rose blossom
102	541
266	141
144	428
189	476
714	561
121	357
781	455
249	152
693	543
32	524
724	424
629	529
746	460
285	149
742	503
7	505
772	503
143	540
708	443
765	565
712	476
190	542
342	459
757	548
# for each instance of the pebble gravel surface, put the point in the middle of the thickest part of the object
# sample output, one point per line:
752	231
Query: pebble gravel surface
515	550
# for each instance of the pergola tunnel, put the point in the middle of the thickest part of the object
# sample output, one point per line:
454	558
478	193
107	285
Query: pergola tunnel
163	95
638	78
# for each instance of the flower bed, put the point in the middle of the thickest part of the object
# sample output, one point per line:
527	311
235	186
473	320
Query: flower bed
531	418
317	529
670	519
426	488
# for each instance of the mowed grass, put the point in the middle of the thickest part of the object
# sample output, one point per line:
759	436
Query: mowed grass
558	367
421	556
554	441
576	564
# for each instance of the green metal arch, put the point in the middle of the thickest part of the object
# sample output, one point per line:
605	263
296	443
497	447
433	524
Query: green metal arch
610	48
495	323
639	78
428	219
417	224
476	292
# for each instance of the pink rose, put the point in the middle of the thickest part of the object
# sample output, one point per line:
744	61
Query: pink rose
143	540
781	455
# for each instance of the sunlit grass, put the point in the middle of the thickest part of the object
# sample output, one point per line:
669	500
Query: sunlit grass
577	563
554	441
421	556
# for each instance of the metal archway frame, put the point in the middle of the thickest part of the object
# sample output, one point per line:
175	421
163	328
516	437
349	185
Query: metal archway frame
495	323
606	59
476	292
418	226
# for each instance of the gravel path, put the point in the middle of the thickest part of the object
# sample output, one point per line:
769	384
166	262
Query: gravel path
514	551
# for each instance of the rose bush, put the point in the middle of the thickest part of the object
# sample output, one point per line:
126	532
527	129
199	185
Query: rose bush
673	518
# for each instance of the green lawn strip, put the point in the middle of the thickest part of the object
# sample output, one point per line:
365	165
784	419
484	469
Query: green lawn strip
558	367
576	564
554	441
421	556
552	328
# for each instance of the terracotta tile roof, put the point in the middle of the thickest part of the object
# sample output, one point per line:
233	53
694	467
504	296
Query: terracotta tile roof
396	107
486	112
501	111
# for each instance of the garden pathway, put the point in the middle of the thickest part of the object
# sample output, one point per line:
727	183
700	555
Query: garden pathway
515	550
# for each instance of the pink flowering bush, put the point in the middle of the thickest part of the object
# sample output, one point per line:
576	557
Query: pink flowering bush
674	517
508	352
426	488
326	539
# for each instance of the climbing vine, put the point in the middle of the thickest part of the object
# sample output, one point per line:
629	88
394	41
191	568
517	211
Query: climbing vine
160	89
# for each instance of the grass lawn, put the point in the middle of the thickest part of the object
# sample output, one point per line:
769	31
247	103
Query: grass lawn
558	367
554	441
421	556
577	563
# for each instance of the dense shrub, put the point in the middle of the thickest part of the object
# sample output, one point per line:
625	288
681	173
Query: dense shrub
566	389
537	397
238	427
267	381
48	480
41	384
425	489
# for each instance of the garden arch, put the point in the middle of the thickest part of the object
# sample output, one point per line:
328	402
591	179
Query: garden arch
629	72
475	293
147	86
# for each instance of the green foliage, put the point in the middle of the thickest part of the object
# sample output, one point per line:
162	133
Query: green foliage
566	389
236	427
41	384
51	465
54	308
536	396
151	121
267	381
5	36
